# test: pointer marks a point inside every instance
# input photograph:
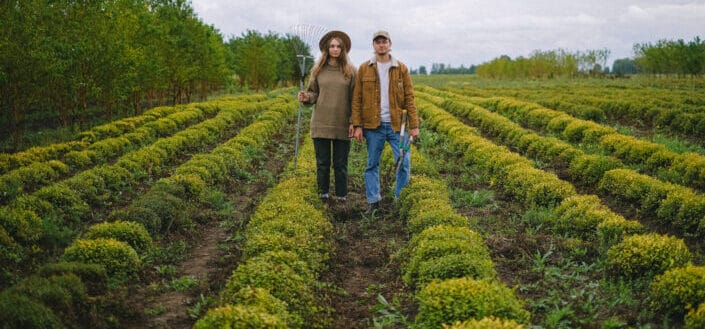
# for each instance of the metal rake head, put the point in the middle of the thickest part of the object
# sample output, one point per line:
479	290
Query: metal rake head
309	35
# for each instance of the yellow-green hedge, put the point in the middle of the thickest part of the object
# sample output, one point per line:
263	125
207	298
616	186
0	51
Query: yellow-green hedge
647	255
678	290
446	252
460	299
695	319
486	323
132	233
119	259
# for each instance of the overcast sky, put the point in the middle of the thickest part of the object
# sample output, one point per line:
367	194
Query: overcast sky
469	32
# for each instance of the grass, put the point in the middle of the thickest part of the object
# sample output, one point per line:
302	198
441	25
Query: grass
563	280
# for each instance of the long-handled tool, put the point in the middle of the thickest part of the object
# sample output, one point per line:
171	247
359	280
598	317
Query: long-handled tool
306	34
404	145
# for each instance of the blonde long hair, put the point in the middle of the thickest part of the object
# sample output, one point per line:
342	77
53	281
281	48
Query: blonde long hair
343	61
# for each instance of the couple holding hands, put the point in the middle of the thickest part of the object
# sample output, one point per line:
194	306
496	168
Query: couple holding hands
368	104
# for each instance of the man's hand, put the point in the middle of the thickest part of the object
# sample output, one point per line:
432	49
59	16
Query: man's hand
351	131
358	134
414	133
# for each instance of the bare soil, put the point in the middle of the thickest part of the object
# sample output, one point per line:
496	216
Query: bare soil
365	263
212	255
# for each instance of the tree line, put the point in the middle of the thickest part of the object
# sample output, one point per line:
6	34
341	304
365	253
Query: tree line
547	64
60	58
65	62
671	57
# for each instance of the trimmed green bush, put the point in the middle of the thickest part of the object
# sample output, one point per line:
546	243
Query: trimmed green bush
259	297
678	290
306	237
436	217
695	319
23	225
535	187
80	159
486	323
614	228
240	317
169	209
23	312
65	295
131	232
93	276
119	259
69	204
444	252
459	299
647	255
186	187
282	282
588	169
147	217
291	259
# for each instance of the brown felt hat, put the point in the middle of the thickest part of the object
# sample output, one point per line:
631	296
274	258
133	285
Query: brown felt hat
340	34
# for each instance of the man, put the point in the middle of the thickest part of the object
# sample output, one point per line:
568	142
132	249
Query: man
382	91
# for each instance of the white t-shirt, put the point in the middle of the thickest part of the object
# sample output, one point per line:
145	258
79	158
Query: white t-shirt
383	72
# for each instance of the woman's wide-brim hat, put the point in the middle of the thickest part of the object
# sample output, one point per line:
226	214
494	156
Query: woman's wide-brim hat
323	44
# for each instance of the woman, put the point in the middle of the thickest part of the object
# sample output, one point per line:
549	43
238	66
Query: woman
330	88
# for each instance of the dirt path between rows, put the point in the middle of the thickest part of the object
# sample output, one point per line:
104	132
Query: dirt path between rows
365	265
212	254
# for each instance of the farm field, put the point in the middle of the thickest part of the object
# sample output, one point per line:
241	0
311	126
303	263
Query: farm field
532	204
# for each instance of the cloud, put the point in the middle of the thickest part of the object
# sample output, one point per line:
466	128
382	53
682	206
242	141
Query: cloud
472	31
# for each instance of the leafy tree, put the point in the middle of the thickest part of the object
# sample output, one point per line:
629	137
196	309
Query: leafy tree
624	66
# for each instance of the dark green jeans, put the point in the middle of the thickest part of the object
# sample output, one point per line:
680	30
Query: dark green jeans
338	150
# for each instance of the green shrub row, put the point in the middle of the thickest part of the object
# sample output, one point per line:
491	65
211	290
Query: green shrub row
124	126
486	323
583	168
110	253
686	169
512	173
113	129
17	181
672	116
585	217
66	294
449	264
38	174
46	302
9	162
627	255
287	245
54	212
105	149
682	114
696	317
672	205
680	292
676	206
164	206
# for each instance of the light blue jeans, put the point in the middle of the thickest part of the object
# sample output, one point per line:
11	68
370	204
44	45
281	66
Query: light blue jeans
375	139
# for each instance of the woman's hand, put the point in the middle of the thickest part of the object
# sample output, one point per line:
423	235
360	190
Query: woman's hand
351	131
303	96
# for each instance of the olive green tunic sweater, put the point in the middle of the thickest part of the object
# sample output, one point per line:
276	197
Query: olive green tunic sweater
332	94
